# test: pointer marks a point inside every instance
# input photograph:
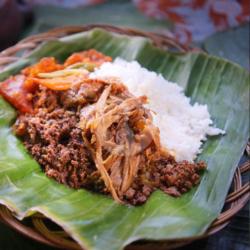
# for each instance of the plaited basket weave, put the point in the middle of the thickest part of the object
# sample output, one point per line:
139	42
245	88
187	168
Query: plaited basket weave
40	228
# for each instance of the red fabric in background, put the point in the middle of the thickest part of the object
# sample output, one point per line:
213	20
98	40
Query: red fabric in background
194	20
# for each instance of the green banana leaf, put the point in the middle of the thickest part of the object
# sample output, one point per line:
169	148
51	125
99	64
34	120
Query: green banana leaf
96	221
232	44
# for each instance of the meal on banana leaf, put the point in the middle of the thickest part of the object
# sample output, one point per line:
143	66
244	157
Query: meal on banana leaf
111	127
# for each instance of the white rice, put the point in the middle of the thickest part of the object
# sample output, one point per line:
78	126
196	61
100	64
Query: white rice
183	127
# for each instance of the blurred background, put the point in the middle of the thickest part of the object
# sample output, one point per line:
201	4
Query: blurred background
219	26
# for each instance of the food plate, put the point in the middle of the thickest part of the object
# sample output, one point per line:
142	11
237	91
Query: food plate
97	222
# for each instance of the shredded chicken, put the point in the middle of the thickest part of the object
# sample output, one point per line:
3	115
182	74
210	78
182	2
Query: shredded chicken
120	133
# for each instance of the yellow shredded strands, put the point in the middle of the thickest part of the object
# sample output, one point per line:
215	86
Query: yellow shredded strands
62	73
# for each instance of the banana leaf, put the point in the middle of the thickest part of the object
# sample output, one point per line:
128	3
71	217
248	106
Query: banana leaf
96	221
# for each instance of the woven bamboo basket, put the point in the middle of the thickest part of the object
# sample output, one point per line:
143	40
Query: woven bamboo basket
41	229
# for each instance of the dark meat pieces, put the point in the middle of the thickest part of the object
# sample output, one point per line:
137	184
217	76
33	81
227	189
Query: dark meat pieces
167	175
56	143
53	139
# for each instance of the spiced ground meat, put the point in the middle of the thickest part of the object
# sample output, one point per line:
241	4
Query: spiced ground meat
53	137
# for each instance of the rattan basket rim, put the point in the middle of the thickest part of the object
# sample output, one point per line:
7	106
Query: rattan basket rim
40	231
